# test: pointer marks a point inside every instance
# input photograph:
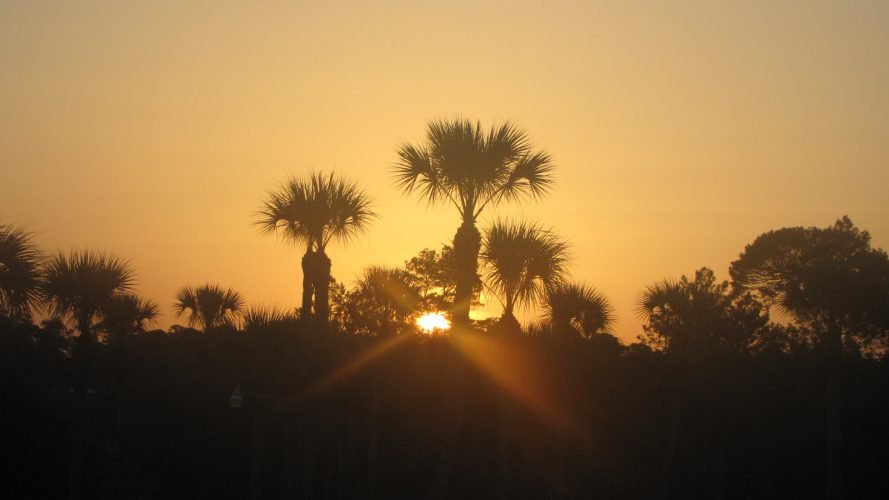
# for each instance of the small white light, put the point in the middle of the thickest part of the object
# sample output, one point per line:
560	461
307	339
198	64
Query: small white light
237	398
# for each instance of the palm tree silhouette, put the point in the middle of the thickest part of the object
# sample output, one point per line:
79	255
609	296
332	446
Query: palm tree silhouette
20	262
83	285
315	211
383	300
463	165
260	318
577	308
128	313
209	306
521	262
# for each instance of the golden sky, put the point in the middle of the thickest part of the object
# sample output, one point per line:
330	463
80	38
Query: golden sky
681	130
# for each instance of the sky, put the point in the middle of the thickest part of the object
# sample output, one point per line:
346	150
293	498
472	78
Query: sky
680	130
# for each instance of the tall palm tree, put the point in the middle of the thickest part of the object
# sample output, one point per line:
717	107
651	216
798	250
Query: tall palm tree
20	262
470	168
314	211
572	307
521	262
209	306
82	285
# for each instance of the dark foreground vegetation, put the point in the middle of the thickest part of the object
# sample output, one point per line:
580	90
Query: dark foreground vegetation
541	417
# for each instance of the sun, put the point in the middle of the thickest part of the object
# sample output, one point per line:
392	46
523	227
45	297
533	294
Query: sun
430	322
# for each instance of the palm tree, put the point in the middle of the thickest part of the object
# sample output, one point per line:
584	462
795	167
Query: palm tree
257	319
20	262
128	313
522	261
83	285
209	306
572	307
313	212
382	302
462	165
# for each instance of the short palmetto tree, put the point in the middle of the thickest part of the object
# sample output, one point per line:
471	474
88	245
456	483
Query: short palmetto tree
260	318
579	309
521	262
313	212
127	313
82	285
470	168
20	262
209	306
382	301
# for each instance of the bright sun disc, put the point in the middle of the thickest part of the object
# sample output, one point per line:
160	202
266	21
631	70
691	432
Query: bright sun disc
430	322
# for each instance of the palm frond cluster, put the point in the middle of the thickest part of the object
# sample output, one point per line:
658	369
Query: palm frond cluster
20	262
315	210
462	164
210	306
522	261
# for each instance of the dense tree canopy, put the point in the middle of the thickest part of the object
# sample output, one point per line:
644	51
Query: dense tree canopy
830	279
693	316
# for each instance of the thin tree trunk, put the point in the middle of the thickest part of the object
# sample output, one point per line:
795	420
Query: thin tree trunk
75	472
833	407
467	244
84	322
504	447
308	289
257	444
289	470
373	455
322	290
834	436
670	456
452	431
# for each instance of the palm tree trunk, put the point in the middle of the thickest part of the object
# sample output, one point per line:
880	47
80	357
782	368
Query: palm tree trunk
504	447
322	289
308	290
373	449
448	450
467	244
663	490
833	406
84	322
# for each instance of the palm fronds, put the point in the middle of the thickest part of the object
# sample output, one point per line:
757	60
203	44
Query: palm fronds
471	168
315	210
82	284
20	262
209	306
522	261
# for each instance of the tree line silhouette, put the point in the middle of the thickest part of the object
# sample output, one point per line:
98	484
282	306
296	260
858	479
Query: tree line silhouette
346	396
